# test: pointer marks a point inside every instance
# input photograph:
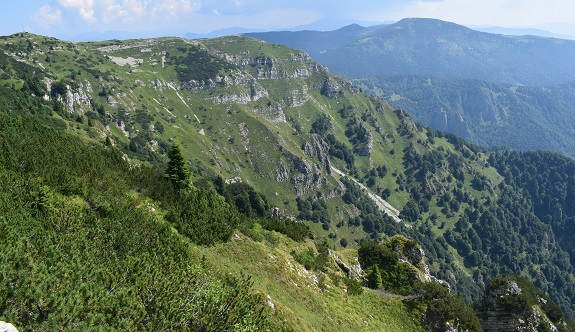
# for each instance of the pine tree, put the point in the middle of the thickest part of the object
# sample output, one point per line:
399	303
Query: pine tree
374	278
177	169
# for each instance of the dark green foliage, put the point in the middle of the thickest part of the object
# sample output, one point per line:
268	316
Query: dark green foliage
198	65
58	88
385	269
358	135
372	219
374	280
354	287
410	211
297	231
440	307
534	204
33	85
204	216
143	118
321	126
311	261
255	207
81	247
177	169
371	253
159	127
313	209
514	295
340	151
245	198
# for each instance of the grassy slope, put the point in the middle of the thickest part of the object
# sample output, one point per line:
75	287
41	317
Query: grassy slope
222	146
240	138
94	255
296	294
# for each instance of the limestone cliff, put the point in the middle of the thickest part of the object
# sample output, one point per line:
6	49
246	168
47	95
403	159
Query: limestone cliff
512	303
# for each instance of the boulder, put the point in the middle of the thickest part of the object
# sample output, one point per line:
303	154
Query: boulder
7	327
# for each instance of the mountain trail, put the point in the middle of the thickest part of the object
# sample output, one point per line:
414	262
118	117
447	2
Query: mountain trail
184	102
382	204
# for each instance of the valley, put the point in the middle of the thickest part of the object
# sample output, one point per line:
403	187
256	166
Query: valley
422	216
494	90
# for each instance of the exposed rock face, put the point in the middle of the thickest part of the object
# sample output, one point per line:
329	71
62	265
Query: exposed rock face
410	252
282	173
308	178
499	312
272	113
366	146
414	255
317	148
331	89
298	97
453	123
251	90
7	327
297	65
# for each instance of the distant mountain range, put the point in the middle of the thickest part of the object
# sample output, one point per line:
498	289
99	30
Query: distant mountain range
324	25
495	90
522	32
431	47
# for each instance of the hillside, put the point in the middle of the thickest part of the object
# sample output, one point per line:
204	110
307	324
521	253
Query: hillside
428	47
265	128
485	113
87	243
492	89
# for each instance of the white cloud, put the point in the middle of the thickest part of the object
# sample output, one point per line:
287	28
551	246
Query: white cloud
188	6
84	7
128	11
47	16
136	7
173	8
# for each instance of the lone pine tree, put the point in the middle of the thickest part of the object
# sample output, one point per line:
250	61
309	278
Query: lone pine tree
177	169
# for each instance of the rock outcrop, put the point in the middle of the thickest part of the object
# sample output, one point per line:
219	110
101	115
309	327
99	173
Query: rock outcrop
308	177
505	307
318	148
331	89
7	327
250	89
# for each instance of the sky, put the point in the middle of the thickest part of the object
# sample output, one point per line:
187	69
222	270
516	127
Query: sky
59	18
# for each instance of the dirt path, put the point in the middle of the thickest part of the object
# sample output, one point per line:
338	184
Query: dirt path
382	204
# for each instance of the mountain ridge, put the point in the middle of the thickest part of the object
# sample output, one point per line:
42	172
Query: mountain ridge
269	118
489	87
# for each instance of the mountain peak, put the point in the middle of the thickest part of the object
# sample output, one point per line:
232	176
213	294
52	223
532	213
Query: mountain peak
429	23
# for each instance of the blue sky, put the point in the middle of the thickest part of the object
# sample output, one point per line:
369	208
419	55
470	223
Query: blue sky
73	17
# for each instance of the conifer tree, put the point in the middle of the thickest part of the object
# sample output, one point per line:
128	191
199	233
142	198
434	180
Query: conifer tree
375	280
177	169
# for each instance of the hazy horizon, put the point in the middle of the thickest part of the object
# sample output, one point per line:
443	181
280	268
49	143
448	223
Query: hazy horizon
149	18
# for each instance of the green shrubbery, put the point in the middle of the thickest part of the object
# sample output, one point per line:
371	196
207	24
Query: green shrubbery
199	65
385	271
83	245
